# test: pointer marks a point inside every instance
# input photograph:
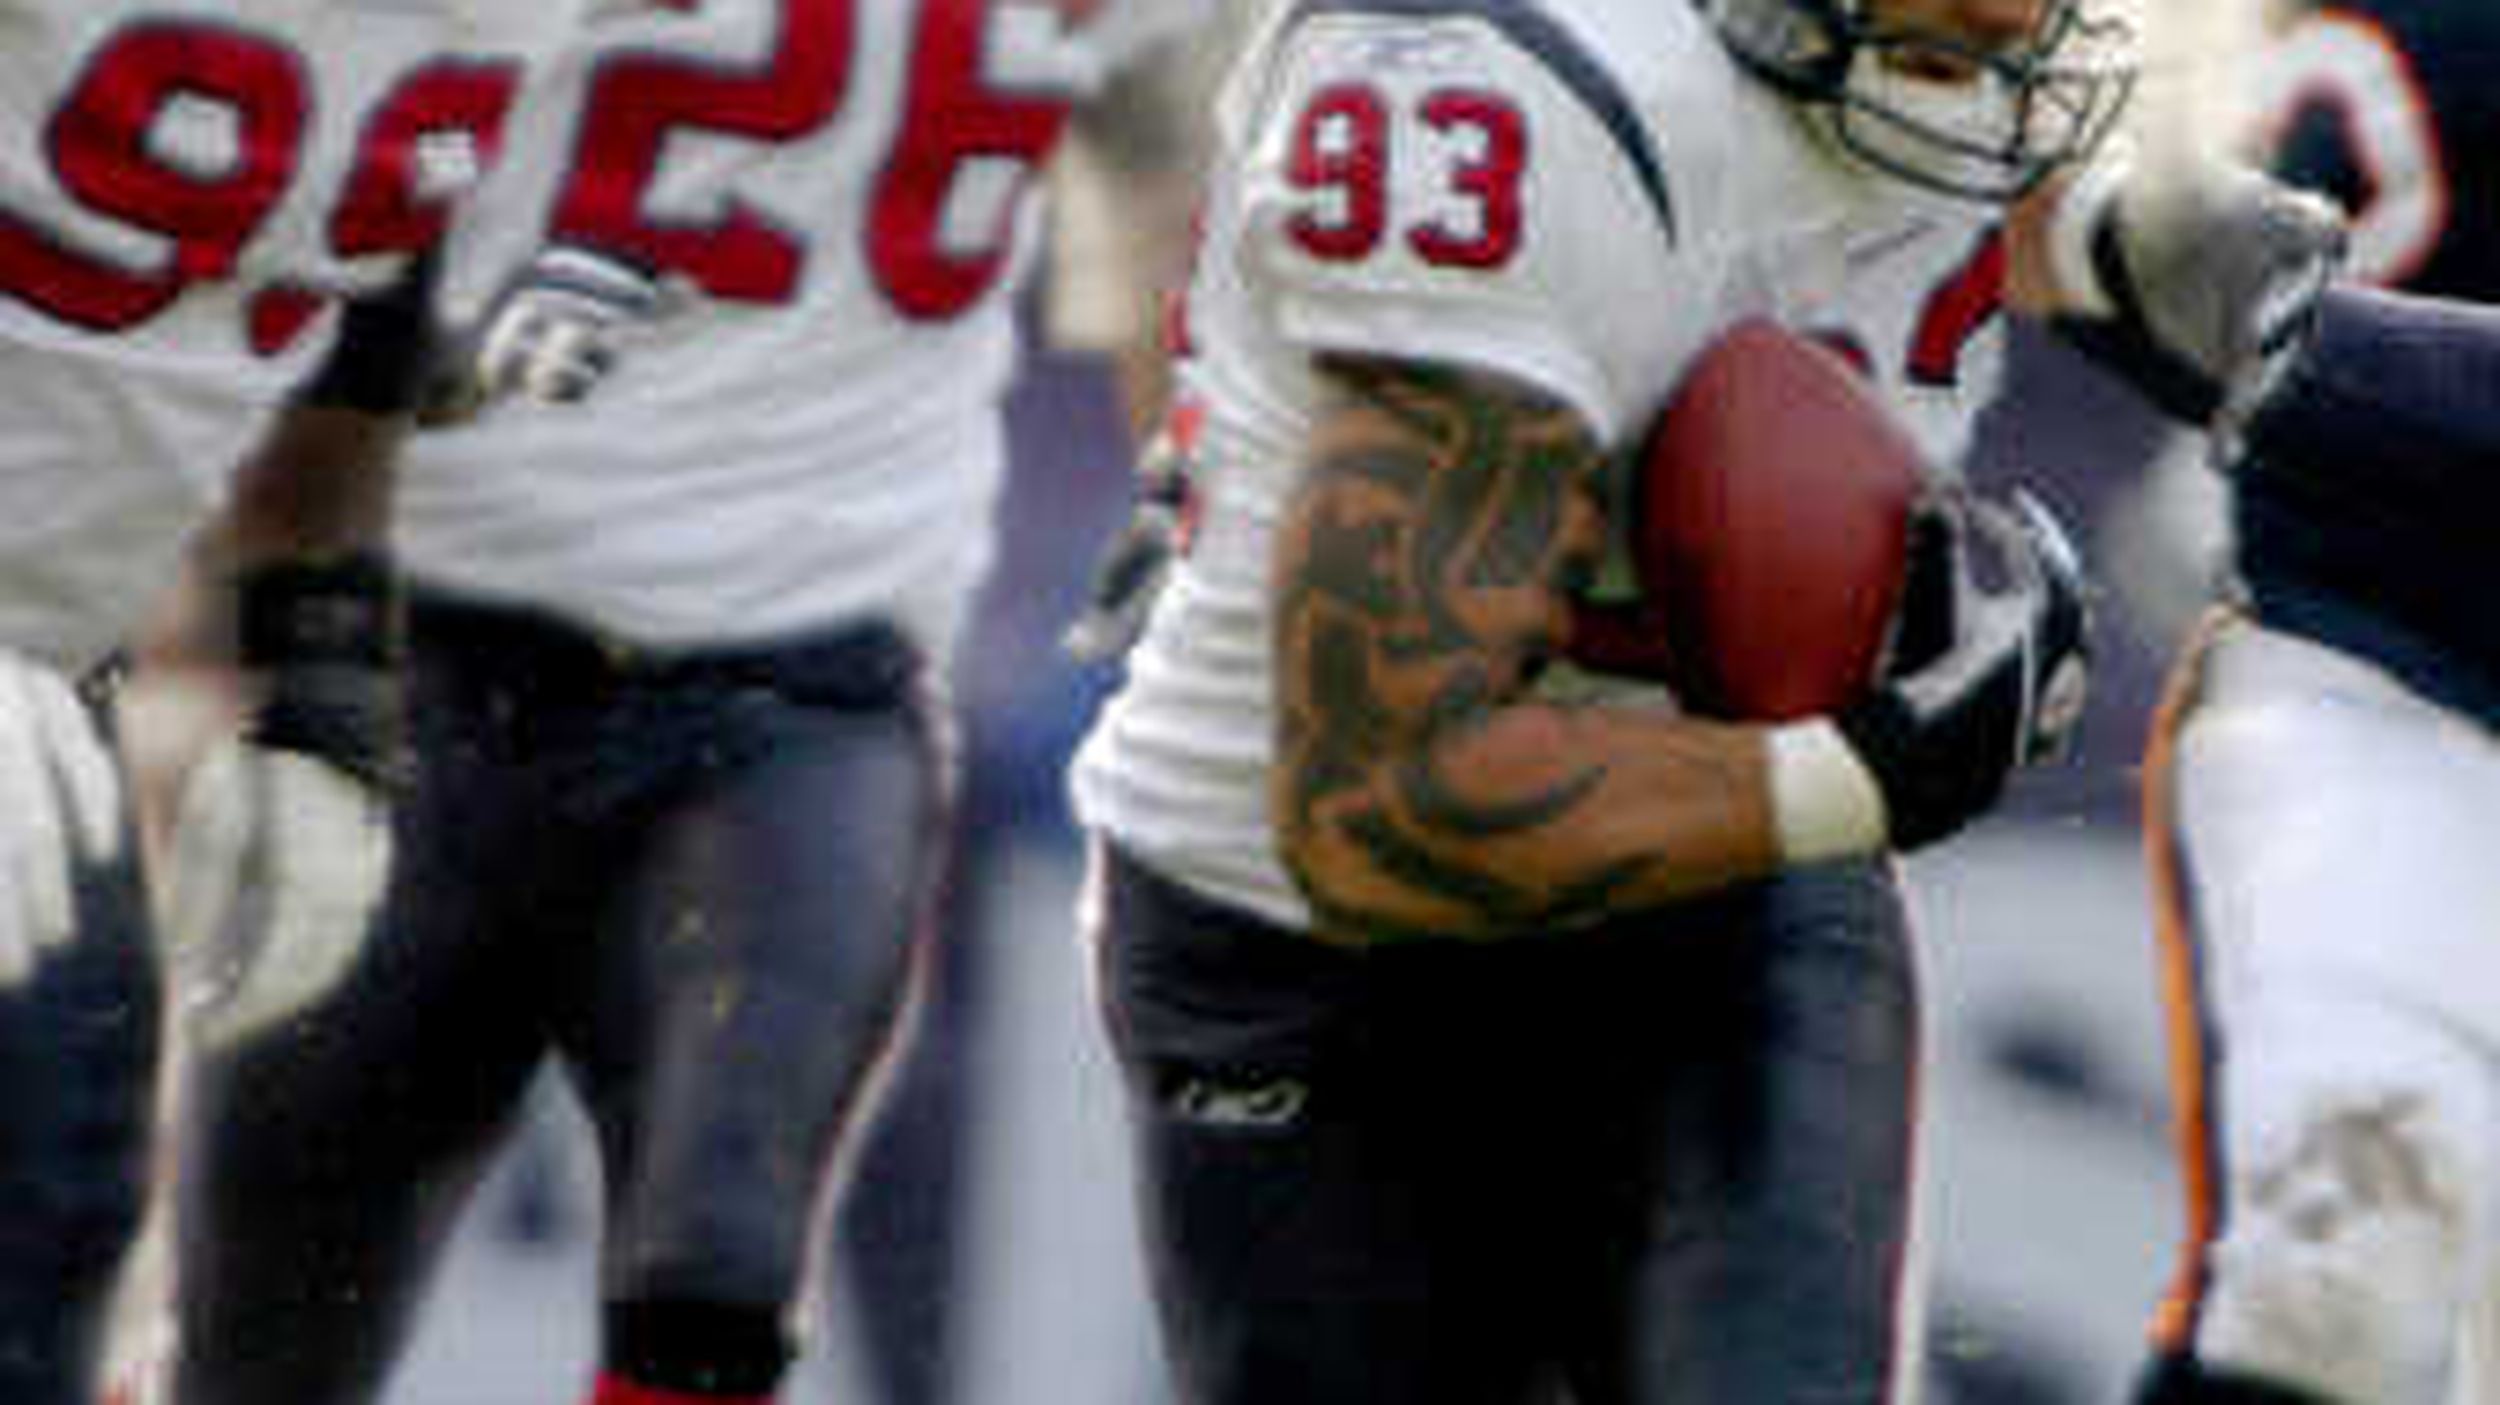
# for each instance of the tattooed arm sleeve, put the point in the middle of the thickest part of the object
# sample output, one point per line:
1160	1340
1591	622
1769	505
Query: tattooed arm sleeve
1422	576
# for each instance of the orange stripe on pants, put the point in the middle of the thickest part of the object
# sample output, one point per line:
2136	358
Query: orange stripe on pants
2176	943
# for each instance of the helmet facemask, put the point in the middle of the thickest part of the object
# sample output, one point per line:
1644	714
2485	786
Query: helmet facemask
2021	114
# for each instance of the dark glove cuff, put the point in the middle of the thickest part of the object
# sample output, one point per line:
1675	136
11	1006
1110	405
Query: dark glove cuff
1879	728
2124	344
383	355
2175	388
1930	792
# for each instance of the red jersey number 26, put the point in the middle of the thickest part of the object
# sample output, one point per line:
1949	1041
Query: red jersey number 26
952	121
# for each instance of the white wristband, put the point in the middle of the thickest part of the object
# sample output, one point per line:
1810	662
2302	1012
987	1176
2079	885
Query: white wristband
1824	801
2087	200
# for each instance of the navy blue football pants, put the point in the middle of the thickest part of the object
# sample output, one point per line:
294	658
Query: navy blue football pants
696	884
78	1066
1666	1162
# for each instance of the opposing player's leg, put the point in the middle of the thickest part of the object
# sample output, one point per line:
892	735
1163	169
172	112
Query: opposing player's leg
78	1038
749	982
348	1081
2325	843
1754	1093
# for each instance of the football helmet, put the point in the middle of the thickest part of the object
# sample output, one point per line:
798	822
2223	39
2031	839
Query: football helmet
2025	111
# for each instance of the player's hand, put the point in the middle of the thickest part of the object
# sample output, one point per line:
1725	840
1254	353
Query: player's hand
552	335
281	841
1989	671
1130	571
2199	290
277	863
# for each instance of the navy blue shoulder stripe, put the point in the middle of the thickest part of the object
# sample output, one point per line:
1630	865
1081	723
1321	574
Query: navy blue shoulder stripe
1533	29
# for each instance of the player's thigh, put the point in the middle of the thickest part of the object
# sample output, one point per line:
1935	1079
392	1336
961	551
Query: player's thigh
1754	1243
345	1087
2333	826
430	1006
2340	925
749	982
1309	1216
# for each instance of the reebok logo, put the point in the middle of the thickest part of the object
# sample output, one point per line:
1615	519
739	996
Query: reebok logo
1265	1103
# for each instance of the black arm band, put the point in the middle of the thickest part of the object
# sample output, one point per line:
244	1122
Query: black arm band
340	611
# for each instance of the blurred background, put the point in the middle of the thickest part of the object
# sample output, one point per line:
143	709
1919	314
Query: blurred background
985	1254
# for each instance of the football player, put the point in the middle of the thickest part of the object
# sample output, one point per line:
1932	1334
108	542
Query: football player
681	749
1492	1028
189	196
2324	792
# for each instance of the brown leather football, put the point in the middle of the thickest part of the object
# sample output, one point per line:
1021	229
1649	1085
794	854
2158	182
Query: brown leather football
1770	512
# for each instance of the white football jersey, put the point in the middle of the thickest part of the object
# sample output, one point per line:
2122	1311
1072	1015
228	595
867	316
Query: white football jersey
186	189
1579	194
817	437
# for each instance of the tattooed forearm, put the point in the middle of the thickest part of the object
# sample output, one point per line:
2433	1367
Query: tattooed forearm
1441	523
1424	576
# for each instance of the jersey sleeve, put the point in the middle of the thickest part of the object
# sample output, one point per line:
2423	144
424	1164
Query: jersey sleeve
1451	189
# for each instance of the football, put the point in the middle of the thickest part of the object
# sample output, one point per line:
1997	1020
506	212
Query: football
1769	514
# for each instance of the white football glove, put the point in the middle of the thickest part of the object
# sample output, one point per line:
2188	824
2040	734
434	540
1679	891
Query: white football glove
2198	290
277	869
553	333
61	813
